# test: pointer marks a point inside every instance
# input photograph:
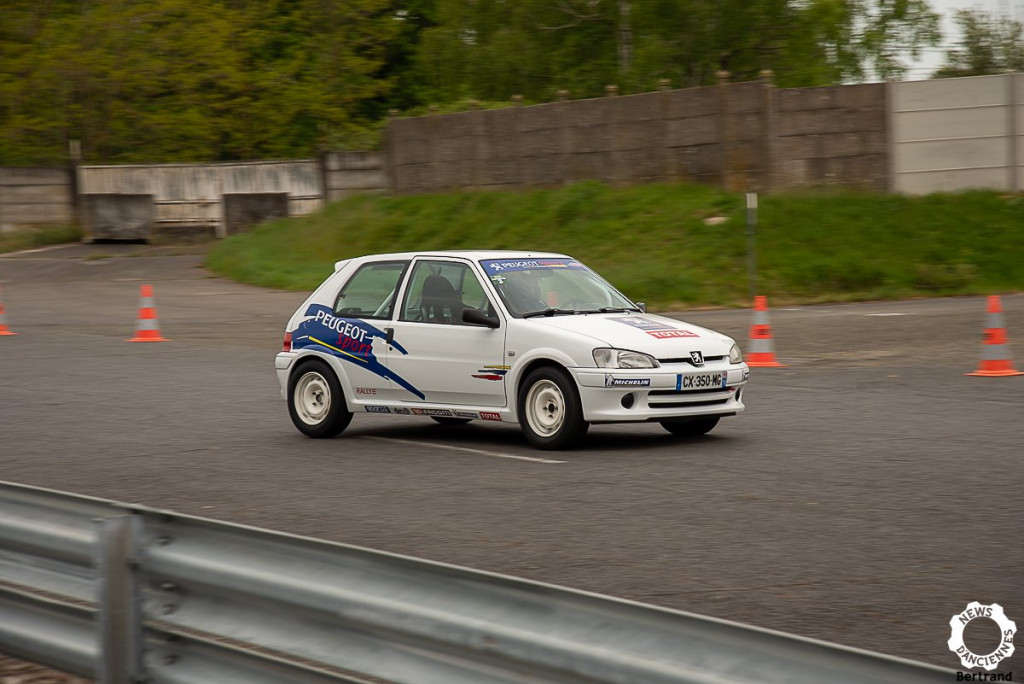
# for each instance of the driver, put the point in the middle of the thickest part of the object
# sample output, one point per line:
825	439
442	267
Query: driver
523	293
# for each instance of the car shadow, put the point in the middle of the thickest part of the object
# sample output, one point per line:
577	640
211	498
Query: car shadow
498	437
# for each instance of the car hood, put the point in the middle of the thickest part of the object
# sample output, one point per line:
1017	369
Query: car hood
659	336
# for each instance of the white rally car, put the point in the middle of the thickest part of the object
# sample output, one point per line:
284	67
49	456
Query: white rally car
533	338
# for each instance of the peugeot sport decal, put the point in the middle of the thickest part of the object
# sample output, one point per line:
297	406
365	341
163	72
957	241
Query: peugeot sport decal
349	339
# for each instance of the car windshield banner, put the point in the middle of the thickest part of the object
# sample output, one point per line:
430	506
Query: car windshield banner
492	266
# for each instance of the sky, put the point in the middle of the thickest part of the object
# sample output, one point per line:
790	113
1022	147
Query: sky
933	58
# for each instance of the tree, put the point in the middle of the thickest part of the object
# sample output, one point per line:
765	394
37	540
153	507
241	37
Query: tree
175	80
490	49
989	46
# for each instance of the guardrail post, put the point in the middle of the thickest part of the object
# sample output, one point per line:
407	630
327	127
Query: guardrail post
119	600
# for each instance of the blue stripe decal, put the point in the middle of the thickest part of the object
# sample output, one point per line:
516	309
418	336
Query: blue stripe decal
349	339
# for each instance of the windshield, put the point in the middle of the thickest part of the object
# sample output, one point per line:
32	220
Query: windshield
552	286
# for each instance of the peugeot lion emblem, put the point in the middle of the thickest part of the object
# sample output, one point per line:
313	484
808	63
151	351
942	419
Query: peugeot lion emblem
697	358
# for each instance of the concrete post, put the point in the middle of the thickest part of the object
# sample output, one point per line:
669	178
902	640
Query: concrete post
1012	95
517	102
668	159
390	168
724	127
890	136
767	178
614	144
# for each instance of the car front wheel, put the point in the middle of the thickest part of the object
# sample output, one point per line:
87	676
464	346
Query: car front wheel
550	413
692	427
316	403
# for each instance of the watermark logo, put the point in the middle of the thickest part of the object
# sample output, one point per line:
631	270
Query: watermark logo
973	611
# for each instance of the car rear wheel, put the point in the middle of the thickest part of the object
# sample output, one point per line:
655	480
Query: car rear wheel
316	402
550	413
450	421
690	427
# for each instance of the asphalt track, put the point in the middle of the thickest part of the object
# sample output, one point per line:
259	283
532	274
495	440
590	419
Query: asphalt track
868	494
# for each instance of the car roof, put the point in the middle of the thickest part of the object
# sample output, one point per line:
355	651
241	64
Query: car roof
472	254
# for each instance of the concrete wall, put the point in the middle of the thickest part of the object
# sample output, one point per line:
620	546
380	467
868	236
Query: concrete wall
912	137
115	216
35	196
190	195
242	211
744	136
831	136
959	133
347	173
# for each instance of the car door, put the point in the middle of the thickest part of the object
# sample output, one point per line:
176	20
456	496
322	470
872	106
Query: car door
452	362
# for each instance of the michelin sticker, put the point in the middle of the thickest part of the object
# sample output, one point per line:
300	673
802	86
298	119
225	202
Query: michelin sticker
612	381
348	339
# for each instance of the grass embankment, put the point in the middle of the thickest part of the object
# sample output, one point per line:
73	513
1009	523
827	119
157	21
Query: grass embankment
668	244
30	238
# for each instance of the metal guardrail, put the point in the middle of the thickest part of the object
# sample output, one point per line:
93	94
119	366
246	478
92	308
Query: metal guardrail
126	594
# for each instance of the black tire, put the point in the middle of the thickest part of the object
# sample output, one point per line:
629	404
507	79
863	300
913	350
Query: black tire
450	421
316	402
550	413
690	427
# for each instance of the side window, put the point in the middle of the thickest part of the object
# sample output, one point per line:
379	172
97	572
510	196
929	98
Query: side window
370	292
439	291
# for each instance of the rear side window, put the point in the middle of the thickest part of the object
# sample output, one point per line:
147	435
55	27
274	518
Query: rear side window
370	292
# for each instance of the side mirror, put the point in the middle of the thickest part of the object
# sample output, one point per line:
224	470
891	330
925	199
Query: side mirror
642	306
478	317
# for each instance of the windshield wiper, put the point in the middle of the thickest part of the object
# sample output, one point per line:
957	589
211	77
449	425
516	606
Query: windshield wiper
548	312
612	309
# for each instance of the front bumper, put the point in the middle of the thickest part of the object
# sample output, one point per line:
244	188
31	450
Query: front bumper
671	391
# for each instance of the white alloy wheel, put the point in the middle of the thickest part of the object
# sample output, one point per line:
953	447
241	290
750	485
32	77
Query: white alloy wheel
312	398
316	402
549	409
545	408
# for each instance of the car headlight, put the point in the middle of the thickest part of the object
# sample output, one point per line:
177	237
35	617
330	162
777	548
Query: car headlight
735	355
623	358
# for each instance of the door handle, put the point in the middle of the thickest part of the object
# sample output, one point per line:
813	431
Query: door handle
389	335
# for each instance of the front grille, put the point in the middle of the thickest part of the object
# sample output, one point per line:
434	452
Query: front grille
686	404
686	359
681	393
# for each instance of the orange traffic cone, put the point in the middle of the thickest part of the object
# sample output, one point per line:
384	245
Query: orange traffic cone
4	330
995	350
761	353
147	326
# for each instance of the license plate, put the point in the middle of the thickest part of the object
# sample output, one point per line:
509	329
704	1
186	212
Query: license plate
699	381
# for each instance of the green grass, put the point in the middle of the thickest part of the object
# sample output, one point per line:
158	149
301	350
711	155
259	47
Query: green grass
654	242
30	238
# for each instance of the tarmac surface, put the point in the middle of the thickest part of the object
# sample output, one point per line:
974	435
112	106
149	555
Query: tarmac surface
870	491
